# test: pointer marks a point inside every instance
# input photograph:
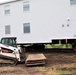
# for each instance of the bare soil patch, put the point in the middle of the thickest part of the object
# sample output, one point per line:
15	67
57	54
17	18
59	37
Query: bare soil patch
59	62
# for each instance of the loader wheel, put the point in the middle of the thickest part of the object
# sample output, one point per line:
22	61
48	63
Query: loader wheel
14	62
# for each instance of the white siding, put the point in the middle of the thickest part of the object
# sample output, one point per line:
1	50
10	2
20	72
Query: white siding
49	19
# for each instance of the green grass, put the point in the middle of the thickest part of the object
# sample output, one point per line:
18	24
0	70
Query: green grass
58	46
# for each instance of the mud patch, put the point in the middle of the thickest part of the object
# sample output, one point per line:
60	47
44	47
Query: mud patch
57	63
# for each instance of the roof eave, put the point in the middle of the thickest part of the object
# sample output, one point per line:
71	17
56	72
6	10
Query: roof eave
9	2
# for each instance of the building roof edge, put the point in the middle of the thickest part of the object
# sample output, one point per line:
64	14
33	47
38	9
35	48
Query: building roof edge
9	2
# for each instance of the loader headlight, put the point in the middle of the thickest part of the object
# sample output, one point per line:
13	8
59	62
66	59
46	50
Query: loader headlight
14	49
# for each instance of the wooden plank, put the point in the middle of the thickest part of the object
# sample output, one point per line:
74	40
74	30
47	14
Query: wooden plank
30	64
35	59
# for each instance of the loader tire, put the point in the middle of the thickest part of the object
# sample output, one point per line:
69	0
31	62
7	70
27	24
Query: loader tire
14	62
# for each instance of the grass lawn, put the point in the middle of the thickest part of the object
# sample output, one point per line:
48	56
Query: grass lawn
58	46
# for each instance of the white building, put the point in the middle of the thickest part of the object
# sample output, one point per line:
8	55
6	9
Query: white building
38	21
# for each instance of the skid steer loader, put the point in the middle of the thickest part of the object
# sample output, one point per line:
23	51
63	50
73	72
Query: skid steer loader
10	51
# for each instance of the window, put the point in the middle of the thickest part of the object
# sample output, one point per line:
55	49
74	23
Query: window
7	29
7	9
6	41
72	2
26	6
26	27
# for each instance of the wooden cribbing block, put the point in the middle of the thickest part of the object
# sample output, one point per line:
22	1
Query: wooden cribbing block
35	59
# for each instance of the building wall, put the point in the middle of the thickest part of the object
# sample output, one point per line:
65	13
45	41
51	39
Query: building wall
49	19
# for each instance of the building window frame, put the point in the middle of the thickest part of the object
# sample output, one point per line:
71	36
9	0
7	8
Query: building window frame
72	2
26	27
7	9
7	29
26	6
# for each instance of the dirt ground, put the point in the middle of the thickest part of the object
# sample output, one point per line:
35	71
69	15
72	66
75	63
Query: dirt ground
59	62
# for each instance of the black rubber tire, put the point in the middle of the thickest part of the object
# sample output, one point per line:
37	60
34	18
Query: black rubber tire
14	62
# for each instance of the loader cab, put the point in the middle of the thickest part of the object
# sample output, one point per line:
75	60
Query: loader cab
11	41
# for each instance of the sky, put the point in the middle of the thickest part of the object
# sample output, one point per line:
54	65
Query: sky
1	1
